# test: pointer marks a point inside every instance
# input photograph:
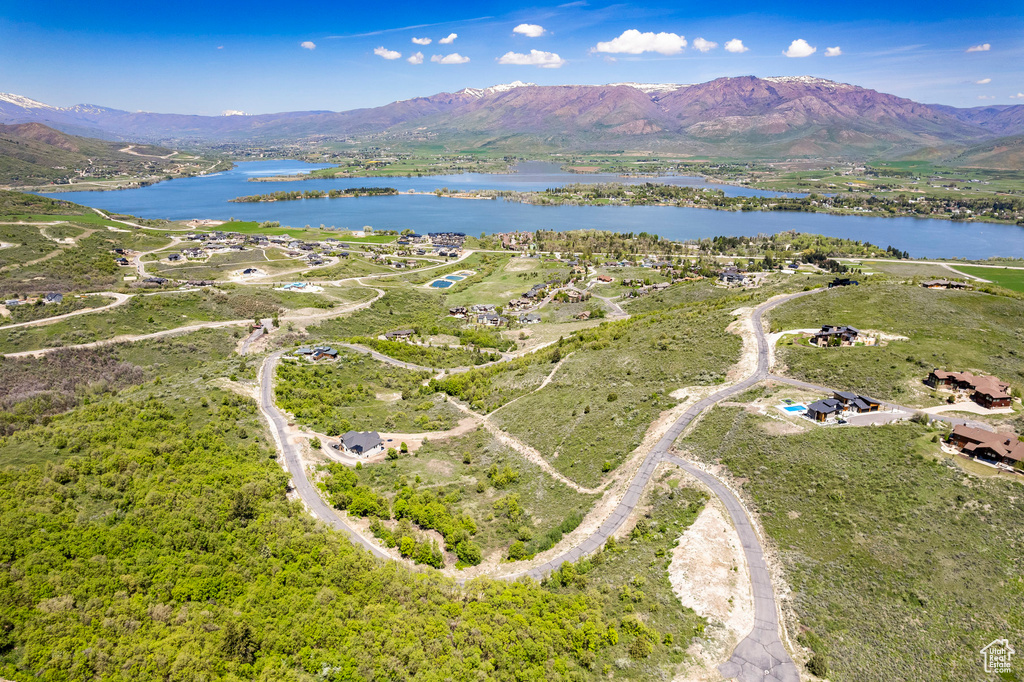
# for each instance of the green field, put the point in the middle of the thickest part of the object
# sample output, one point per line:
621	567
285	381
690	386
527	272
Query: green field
1008	279
476	476
358	393
507	278
220	265
902	568
945	329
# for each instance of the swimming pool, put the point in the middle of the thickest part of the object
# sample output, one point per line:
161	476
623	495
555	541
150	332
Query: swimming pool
455	278
793	409
441	284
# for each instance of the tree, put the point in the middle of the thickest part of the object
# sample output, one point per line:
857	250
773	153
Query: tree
392	454
404	448
239	642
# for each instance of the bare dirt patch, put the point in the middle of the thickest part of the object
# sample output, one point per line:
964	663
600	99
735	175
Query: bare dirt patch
709	574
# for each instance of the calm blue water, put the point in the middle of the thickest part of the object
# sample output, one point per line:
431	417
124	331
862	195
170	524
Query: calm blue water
795	408
454	278
441	284
207	197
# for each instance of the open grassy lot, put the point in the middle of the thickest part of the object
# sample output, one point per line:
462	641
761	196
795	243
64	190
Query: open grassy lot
221	265
27	245
511	279
600	403
477	476
87	265
903	269
353	266
902	567
41	311
145	314
358	393
1008	279
946	329
630	579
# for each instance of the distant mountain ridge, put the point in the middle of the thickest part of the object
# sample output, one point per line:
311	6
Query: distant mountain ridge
738	117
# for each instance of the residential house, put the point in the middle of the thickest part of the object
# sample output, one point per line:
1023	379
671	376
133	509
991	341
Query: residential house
604	278
585	315
822	410
490	320
122	262
155	280
987	391
399	335
459	311
529	318
944	284
833	335
324	353
53	298
481	308
1003	448
842	282
856	403
174	257
361	443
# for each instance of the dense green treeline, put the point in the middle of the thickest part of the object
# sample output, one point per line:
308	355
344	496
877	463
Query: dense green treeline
317	194
153	540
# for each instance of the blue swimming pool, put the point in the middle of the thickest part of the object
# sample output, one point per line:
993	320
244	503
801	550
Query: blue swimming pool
455	278
441	284
794	408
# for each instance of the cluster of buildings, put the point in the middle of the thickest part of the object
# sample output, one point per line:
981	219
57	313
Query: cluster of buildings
515	241
52	298
987	391
316	353
841	403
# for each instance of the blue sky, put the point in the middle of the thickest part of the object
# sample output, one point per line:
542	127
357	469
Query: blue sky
209	57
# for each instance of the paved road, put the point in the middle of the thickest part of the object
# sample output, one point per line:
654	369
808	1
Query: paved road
761	655
119	299
308	493
955	421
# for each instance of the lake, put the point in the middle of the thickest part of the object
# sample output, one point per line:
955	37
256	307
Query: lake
207	197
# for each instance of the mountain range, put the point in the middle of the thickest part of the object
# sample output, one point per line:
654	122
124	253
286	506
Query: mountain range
743	117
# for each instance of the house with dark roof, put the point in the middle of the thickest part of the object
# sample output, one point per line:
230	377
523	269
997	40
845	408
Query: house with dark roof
53	298
856	403
822	410
842	282
323	353
944	284
399	335
361	443
835	335
987	391
1002	448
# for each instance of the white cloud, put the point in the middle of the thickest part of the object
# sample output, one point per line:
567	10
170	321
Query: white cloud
1019	95
307	44
833	51
984	47
422	41
986	96
984	81
449	39
233	112
702	45
736	45
529	30
386	53
545	60
799	48
220	47
635	42
453	58
416	58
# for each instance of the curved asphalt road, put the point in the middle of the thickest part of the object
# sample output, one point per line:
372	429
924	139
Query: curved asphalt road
305	489
761	655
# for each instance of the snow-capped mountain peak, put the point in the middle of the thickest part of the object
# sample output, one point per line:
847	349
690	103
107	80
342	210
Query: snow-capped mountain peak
652	88
23	102
494	89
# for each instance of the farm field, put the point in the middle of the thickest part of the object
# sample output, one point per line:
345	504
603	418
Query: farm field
1008	279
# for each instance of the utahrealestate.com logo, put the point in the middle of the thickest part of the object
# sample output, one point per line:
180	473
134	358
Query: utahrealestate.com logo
998	655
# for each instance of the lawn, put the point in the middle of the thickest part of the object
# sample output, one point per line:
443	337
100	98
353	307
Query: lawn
947	330
507	280
1006	278
220	265
901	566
